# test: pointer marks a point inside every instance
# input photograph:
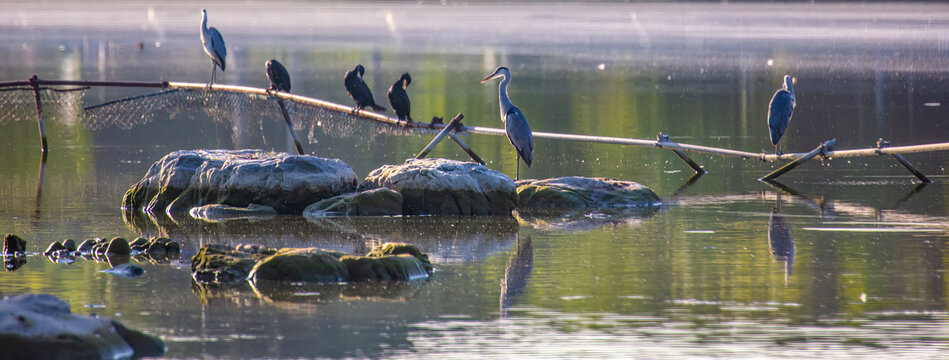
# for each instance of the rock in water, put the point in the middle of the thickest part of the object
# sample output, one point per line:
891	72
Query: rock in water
40	326
309	264
446	187
189	178
583	192
126	270
13	245
375	202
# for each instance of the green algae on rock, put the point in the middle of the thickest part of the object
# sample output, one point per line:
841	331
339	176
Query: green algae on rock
376	202
584	192
446	187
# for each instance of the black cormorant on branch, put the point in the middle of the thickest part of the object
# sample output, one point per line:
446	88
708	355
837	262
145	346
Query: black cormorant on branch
278	75
399	99
358	90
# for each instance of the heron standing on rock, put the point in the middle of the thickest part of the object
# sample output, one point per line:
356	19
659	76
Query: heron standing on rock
779	112
213	45
278	75
399	99
358	89
515	124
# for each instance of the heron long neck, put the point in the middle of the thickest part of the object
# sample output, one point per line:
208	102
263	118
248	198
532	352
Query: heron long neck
790	89
505	101
204	25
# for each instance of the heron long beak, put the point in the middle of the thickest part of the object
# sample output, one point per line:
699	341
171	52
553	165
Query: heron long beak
492	76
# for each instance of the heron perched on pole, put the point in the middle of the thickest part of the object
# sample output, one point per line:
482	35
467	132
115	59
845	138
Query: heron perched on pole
779	112
213	45
515	124
358	89
399	99
278	75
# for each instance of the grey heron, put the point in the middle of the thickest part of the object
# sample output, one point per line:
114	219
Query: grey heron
213	45
779	112
358	89
515	124
278	75
399	99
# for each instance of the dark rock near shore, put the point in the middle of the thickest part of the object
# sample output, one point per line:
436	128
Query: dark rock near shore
118	246
40	326
13	245
583	192
375	202
309	265
446	187
191	178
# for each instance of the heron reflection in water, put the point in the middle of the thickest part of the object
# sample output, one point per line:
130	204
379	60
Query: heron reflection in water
779	112
278	75
213	46
780	241
515	124
399	98
358	89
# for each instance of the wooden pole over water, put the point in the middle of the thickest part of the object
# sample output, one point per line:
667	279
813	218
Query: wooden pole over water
40	121
678	148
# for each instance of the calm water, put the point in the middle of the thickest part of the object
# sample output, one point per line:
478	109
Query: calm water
846	259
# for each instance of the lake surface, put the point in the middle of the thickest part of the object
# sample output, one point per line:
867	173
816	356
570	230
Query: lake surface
844	259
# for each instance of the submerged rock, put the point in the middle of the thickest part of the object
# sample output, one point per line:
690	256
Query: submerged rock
40	326
218	212
309	265
224	264
191	178
126	270
13	245
375	202
446	187
583	192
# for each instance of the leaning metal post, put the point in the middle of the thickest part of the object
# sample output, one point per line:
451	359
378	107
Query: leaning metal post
445	131
821	149
881	143
664	138
39	111
467	149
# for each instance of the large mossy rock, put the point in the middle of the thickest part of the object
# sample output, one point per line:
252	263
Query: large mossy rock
385	268
40	326
190	178
307	265
583	192
445	187
223	264
375	202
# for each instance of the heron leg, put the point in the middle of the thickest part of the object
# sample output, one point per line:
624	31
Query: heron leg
517	167
779	148
213	68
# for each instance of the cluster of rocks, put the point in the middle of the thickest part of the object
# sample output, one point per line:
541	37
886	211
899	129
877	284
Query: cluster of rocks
99	249
389	261
241	183
40	326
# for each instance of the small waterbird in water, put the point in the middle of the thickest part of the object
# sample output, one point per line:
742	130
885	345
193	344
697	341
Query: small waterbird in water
399	99
358	89
278	75
515	124
779	112
213	46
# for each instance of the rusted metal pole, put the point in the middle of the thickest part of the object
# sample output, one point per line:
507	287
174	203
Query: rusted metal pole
823	148
34	83
293	133
664	138
447	130
467	149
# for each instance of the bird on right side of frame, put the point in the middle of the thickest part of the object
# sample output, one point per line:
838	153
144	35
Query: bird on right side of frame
278	75
779	112
515	123
399	98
